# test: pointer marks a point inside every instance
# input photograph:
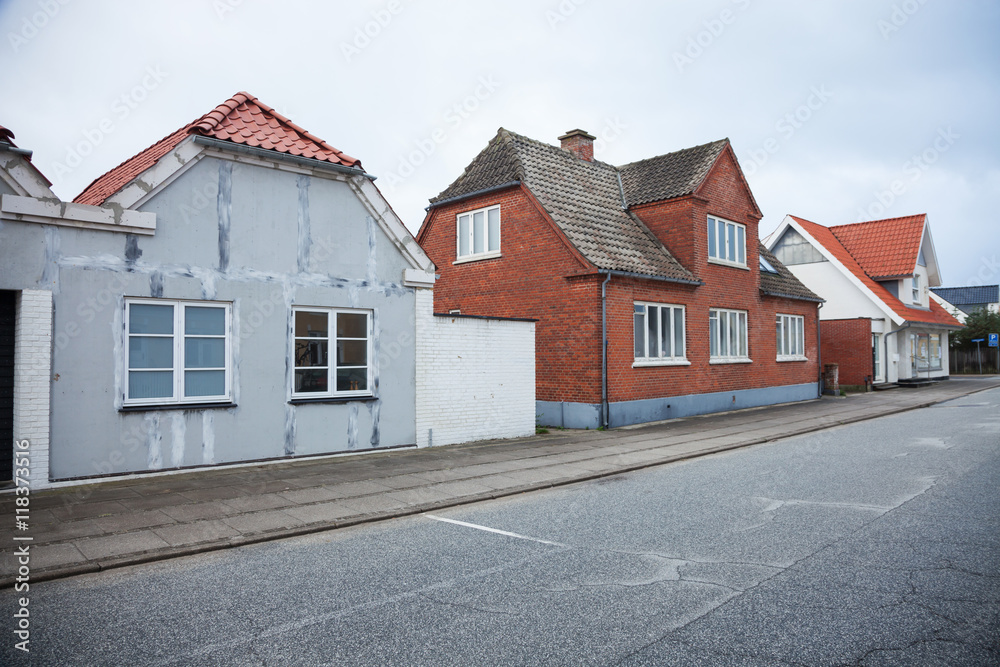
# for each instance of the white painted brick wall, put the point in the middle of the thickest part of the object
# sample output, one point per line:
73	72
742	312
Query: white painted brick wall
32	370
475	377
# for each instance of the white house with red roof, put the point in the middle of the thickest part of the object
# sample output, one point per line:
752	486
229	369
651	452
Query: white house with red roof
879	273
238	291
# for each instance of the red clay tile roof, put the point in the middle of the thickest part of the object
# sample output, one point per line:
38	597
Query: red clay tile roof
825	236
242	119
885	248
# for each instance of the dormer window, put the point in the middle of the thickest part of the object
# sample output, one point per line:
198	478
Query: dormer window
727	242
478	234
916	288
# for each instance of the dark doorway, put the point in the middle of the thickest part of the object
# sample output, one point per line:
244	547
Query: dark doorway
7	318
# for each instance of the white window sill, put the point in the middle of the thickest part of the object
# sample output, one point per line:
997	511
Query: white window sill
651	363
730	360
793	358
298	399
476	258
726	262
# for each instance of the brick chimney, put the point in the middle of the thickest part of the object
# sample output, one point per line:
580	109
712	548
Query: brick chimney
579	143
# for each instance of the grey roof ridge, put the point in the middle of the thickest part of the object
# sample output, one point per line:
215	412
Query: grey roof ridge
682	150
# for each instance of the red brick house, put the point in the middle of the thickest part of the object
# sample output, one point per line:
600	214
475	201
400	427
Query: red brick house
659	258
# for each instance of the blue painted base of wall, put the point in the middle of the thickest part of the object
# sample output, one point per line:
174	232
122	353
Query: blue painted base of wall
568	415
626	413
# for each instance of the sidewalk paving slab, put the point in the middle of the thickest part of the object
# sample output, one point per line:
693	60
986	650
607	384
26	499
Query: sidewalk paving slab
115	523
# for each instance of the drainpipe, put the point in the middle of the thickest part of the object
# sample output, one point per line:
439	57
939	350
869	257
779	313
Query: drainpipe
819	349
604	350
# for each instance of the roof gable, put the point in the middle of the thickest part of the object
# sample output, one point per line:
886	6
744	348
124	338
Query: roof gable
242	119
782	282
884	248
829	242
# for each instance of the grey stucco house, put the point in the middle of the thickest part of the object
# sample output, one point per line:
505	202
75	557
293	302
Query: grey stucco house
238	291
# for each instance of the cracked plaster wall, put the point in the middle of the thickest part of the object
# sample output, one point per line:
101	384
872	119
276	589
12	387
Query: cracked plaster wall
261	238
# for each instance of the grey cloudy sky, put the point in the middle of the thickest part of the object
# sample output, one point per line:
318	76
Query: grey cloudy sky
838	111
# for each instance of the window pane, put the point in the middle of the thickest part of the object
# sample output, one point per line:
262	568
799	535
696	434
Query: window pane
712	252
311	324
311	353
713	334
741	246
723	335
734	335
144	318
665	338
652	339
352	352
478	232
678	332
202	321
352	325
463	235
150	384
731	256
204	383
743	334
146	352
494	225
352	379
639	332
311	380
205	353
779	334
722	240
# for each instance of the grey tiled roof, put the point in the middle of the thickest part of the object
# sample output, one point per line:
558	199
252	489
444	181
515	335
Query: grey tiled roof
585	200
582	198
782	283
672	175
969	296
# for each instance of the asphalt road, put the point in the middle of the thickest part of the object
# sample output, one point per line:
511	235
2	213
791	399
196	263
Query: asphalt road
871	544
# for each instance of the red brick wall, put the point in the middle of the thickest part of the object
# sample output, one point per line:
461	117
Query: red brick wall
529	279
848	343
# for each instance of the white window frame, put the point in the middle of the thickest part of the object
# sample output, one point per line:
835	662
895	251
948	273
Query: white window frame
675	358
790	337
179	367
722	342
331	367
719	249
915	284
470	236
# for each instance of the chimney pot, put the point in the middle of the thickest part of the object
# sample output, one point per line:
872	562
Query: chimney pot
579	143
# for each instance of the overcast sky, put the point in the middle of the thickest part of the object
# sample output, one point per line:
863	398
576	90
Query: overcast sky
838	111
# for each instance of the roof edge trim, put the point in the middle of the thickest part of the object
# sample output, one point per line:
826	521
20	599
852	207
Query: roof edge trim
470	195
646	276
270	154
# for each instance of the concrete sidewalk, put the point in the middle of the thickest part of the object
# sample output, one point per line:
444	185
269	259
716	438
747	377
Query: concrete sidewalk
99	526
